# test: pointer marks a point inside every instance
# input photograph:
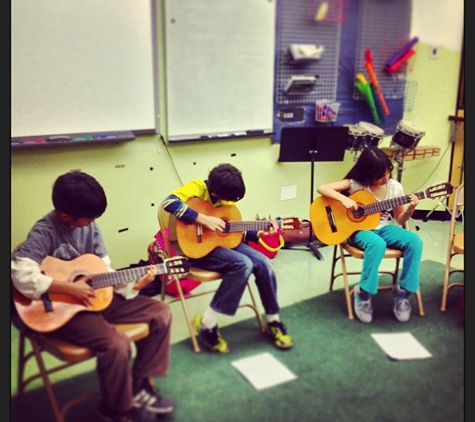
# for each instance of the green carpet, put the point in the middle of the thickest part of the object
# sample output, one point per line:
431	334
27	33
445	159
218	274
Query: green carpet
343	375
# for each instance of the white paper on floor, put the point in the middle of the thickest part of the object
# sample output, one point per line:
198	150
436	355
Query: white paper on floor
263	370
401	346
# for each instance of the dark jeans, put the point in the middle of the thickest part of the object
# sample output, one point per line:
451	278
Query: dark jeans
237	265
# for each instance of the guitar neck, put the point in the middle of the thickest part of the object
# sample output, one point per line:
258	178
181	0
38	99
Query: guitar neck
242	226
388	204
99	281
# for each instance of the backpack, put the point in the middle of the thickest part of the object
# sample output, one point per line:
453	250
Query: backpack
156	255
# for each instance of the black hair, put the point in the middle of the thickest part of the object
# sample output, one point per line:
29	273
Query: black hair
372	164
79	195
226	182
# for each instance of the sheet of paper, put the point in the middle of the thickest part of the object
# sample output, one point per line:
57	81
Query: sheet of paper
263	370
401	346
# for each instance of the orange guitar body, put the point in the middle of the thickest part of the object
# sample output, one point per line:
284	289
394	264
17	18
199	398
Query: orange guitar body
345	223
55	309
333	223
196	241
195	245
32	312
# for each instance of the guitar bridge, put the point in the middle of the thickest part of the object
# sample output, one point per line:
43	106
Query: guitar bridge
48	305
199	233
331	219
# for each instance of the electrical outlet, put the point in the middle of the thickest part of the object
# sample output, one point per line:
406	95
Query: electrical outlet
288	192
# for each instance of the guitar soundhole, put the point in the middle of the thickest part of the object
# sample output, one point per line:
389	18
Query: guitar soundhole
356	215
76	275
227	228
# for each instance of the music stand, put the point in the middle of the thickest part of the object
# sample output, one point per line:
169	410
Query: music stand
311	144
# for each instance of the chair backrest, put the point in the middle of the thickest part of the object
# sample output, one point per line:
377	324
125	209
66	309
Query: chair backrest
459	199
166	221
457	209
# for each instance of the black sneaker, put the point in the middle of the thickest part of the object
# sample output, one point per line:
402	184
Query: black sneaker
147	397
211	337
277	332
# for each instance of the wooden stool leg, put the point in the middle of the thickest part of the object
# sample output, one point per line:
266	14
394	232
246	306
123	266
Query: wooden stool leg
346	285
419	303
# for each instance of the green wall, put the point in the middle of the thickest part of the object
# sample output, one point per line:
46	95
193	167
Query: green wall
137	175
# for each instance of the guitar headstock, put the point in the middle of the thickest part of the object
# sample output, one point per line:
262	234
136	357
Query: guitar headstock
177	265
439	190
289	223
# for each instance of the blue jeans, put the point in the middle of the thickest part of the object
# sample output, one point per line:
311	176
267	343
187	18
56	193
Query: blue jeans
374	243
237	265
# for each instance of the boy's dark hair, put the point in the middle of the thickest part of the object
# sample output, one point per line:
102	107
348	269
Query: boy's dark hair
226	182
79	195
372	164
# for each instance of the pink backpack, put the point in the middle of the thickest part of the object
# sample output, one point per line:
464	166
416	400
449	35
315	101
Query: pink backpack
157	255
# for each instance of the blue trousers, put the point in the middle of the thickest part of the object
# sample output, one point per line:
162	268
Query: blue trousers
237	265
374	243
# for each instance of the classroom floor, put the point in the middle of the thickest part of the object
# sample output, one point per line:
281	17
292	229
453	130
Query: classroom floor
300	275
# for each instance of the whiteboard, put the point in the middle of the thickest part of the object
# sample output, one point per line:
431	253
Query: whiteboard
82	66
219	67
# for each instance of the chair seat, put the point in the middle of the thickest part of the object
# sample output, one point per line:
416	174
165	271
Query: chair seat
359	253
200	274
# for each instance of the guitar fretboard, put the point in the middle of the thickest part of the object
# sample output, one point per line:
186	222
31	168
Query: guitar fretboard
99	281
387	204
241	226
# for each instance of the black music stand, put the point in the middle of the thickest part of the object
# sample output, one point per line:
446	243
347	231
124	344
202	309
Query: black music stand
303	144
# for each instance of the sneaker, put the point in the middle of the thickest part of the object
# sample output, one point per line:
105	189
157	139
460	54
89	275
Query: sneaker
277	332
363	307
147	397
132	415
211	337
402	307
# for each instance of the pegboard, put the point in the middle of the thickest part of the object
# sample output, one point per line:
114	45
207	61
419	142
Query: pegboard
383	28
296	24
350	27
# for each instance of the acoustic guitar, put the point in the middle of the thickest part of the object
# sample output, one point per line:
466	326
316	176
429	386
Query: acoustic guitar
196	241
333	223
53	310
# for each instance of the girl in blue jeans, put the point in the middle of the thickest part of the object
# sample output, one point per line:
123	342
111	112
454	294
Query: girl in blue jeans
372	172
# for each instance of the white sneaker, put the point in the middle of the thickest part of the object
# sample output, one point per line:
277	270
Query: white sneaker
363	308
402	307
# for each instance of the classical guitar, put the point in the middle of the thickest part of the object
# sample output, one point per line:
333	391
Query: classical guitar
196	241
333	223
55	309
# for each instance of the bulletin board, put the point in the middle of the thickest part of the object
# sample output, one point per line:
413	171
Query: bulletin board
82	67
219	68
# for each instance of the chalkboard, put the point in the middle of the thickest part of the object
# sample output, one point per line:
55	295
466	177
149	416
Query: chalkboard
82	66
219	67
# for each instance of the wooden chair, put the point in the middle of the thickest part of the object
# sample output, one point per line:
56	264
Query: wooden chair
166	223
68	355
345	250
455	246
